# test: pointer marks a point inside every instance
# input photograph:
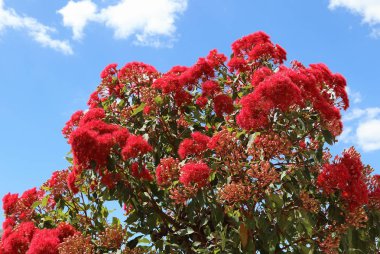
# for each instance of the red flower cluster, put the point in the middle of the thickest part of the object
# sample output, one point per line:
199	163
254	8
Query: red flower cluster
374	194
72	123
135	146
108	72
194	173
223	104
210	88
167	171
346	175
142	173
252	50
194	145
93	140
137	73
181	79
26	238
276	91
57	184
294	87
20	208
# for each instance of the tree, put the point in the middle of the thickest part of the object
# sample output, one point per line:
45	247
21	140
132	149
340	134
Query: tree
225	156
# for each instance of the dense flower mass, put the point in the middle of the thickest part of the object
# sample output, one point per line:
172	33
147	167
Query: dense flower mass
194	173
135	146
346	175
167	171
194	145
227	155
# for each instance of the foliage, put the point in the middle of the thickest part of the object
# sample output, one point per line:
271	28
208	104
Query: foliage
225	156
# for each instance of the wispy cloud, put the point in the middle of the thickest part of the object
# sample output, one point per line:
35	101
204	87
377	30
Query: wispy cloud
369	10
10	19
76	15
355	97
362	128
150	22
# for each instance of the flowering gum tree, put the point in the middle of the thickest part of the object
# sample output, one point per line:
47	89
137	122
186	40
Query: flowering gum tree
226	156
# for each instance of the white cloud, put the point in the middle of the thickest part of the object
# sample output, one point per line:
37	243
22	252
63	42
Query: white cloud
369	10
149	21
76	15
363	128
9	19
368	135
362	114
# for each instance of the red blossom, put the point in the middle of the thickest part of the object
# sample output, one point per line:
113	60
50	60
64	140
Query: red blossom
72	123
255	48
276	91
45	241
19	239
194	145
260	75
93	141
167	171
71	180
346	175
110	70
135	146
210	88
201	101
92	114
223	104
142	173
94	100
137	73
10	203
194	173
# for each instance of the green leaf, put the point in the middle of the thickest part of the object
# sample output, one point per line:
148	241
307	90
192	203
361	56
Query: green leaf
329	138
138	109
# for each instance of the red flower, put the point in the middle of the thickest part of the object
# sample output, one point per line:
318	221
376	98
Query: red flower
260	75
167	171
210	88
10	203
65	230
142	173
201	101
92	114
223	104
44	241
31	196
19	239
194	145
276	91
93	141
72	123
346	175
71	179
194	173
135	146
94	100
109	71
137	73
255	48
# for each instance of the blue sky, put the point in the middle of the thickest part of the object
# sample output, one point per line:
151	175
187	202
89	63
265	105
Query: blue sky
51	54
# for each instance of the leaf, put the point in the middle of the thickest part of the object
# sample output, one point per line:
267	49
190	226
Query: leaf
243	232
45	201
329	138
144	241
138	109
133	243
158	100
